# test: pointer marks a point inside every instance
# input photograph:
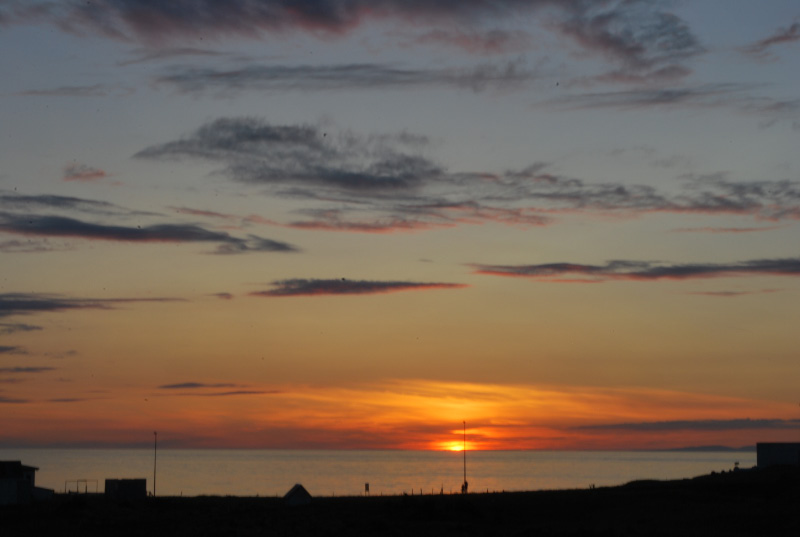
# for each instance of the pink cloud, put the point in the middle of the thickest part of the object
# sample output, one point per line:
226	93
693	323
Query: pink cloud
83	173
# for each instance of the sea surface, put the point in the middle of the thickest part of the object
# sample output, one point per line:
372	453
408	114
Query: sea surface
345	473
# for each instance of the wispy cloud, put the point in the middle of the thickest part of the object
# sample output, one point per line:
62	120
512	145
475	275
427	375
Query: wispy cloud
644	40
11	349
196	385
95	90
59	226
382	183
732	294
258	152
11	328
201	389
725	229
224	394
25	370
737	97
782	36
83	173
476	40
12	201
28	246
641	38
698	425
143	55
34	303
12	400
343	77
310	287
202	212
643	270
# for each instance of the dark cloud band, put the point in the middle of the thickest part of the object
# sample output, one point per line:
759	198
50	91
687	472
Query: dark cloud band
308	287
383	183
59	226
343	77
644	270
640	36
698	425
34	303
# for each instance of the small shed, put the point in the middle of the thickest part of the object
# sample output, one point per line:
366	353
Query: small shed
126	489
777	453
17	483
297	495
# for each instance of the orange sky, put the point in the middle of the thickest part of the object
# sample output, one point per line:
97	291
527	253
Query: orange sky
408	414
572	225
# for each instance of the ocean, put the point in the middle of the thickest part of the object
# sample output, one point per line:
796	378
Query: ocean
345	473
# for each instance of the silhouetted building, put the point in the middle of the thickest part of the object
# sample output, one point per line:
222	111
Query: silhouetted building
298	495
18	484
126	489
777	453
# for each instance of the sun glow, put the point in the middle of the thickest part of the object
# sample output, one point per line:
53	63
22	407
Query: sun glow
455	445
451	446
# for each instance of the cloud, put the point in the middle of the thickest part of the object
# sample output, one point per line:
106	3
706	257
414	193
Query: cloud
142	55
706	95
384	183
8	349
11	201
83	173
60	355
311	287
697	425
730	294
782	36
725	229
195	385
643	270
25	370
737	97
33	303
223	296
639	36
27	246
201	212
11	328
343	77
644	40
193	388
258	152
477	41
95	90
53	216
11	400
59	226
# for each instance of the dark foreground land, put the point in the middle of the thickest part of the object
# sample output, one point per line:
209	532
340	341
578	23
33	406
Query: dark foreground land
748	502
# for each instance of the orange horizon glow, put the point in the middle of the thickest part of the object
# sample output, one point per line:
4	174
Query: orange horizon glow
406	415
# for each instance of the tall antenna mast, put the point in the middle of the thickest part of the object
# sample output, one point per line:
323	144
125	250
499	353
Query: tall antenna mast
465	485
155	458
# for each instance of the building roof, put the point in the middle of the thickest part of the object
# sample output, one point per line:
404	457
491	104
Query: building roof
297	495
14	469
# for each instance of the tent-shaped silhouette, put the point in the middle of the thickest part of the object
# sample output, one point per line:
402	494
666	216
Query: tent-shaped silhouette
298	495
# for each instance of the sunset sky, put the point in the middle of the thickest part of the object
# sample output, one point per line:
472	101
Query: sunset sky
356	224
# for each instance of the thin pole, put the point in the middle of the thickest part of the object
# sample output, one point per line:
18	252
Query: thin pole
465	456
155	459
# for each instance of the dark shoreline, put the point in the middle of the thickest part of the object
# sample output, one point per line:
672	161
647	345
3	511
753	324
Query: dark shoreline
747	502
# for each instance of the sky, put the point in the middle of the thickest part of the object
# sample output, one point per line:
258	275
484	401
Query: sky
353	224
